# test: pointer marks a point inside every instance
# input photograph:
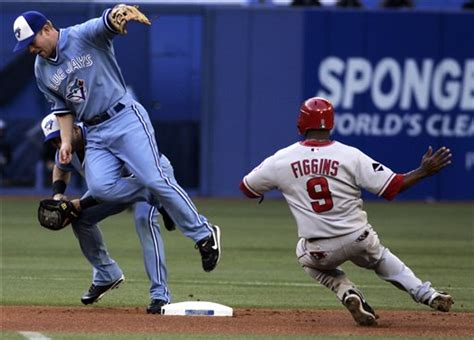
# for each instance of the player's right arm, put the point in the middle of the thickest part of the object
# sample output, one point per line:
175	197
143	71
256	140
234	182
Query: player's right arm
259	180
64	114
66	123
61	179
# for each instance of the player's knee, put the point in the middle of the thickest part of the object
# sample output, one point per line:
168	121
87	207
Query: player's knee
101	191
152	183
141	218
304	258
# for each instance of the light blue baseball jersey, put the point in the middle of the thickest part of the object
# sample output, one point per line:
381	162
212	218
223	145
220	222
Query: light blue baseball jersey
83	78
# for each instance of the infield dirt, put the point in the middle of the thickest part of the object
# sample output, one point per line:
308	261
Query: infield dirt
244	321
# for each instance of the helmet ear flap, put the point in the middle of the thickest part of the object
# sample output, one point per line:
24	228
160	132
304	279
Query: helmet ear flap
316	113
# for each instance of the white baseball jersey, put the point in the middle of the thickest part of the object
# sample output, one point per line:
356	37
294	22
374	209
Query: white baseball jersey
321	181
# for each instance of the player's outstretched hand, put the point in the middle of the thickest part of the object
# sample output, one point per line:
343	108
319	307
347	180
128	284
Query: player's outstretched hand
431	162
121	14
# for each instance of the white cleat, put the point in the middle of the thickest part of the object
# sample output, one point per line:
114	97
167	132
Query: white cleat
441	301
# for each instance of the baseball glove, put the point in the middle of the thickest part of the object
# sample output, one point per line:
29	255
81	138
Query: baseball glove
121	14
55	215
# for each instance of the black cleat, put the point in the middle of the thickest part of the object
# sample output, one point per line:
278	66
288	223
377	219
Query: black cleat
210	249
155	306
362	313
167	220
95	293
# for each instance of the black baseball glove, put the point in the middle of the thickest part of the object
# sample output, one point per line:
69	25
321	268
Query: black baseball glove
55	215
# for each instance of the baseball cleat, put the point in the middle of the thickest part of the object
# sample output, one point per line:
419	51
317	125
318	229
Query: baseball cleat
210	249
155	306
360	310
441	301
95	293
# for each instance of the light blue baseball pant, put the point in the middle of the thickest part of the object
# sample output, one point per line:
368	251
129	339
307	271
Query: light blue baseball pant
91	242
105	269
149	232
128	138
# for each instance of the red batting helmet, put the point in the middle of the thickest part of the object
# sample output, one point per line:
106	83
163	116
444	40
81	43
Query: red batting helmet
316	114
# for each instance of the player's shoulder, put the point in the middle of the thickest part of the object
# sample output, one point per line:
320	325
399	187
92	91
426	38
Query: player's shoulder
350	153
341	147
286	150
38	68
73	32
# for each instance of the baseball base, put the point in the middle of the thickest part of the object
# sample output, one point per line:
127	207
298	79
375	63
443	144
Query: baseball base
196	308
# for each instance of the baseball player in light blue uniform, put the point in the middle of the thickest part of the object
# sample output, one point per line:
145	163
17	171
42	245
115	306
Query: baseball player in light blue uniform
78	74
106	272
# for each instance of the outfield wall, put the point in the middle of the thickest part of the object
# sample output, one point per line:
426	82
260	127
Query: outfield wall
400	81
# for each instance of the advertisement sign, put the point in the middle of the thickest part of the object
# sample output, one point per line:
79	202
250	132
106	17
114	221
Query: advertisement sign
398	89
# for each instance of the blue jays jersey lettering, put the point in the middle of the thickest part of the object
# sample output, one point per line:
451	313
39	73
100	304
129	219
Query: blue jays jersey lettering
84	77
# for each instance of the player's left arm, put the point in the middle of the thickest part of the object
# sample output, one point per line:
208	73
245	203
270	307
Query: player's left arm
120	15
101	31
431	163
61	179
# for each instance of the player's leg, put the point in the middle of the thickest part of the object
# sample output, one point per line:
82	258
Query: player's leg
144	160
103	171
106	273
321	260
148	231
129	138
369	253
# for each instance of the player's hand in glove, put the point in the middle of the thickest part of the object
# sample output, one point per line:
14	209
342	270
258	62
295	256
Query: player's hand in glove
121	14
56	215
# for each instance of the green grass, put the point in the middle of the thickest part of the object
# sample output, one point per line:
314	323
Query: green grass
258	266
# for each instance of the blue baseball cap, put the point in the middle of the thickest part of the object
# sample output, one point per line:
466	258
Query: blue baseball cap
25	28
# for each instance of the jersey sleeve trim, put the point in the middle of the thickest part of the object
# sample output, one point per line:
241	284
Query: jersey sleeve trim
247	190
61	112
393	188
384	187
106	21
